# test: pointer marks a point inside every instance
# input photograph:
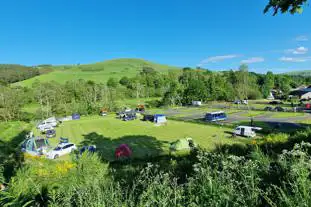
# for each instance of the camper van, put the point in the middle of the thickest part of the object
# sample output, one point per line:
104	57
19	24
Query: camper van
216	116
246	131
47	124
196	103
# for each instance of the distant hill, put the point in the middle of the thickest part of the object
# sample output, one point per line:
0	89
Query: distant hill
11	73
301	73
98	72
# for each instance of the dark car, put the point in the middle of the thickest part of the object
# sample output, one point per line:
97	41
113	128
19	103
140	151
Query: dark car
279	109
50	133
129	117
90	149
275	102
268	108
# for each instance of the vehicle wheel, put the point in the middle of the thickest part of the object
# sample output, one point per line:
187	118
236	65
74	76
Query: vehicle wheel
56	156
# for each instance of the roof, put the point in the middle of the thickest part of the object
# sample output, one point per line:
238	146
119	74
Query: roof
216	112
257	128
64	144
300	92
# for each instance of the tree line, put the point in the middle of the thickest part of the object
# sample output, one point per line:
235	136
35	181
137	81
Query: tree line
172	88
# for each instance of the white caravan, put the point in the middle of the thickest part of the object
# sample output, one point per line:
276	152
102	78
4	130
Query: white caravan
47	124
246	131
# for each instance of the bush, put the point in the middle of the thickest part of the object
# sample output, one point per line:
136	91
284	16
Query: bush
215	179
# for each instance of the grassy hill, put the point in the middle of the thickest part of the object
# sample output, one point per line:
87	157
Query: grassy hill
301	73
98	72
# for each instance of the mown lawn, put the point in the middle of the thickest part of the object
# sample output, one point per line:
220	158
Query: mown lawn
11	130
286	114
144	138
253	113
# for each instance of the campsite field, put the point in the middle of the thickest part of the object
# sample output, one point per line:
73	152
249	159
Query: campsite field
144	138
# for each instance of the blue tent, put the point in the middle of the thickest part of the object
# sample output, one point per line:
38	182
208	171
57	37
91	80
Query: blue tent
75	116
159	119
35	146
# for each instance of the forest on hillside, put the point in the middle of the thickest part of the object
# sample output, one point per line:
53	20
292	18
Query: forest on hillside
10	73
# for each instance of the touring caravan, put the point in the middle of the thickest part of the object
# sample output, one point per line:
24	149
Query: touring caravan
246	131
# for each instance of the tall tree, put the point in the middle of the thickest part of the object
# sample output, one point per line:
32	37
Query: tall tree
268	84
242	77
293	6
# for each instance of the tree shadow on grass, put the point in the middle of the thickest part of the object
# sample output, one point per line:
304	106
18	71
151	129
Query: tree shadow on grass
11	157
142	146
145	149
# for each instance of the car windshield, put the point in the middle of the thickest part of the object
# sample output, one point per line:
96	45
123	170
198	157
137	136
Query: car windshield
57	148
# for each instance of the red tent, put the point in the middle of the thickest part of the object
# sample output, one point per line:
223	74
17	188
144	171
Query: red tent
123	151
308	105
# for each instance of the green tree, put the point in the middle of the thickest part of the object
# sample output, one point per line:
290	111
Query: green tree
293	6
268	84
242	77
125	81
112	83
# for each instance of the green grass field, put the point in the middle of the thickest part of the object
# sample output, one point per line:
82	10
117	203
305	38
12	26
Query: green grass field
98	72
144	138
10	130
253	113
286	114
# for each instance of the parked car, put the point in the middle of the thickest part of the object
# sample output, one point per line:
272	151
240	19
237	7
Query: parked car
246	131
90	149
61	150
129	116
216	116
275	102
245	102
241	102
50	133
279	109
268	108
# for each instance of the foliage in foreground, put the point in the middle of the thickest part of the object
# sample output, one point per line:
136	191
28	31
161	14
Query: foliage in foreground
216	179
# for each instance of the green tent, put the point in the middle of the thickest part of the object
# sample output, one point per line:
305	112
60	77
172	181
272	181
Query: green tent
182	144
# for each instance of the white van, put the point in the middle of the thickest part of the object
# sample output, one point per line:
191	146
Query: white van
196	103
246	131
49	123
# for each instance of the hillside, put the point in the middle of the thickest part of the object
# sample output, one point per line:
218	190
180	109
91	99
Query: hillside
301	73
98	72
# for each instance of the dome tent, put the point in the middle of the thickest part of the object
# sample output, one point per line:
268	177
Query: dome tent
183	144
123	151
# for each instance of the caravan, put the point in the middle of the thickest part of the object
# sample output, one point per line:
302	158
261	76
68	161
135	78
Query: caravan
246	131
47	124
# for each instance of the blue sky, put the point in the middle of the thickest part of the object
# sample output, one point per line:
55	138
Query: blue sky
214	34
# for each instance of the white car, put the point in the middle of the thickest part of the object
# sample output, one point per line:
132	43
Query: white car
245	102
61	150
